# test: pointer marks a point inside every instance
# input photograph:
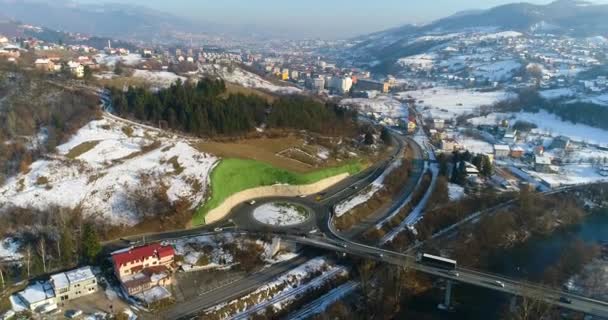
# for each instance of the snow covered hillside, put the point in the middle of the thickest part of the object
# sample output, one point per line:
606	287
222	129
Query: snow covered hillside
448	103
163	79
246	79
103	163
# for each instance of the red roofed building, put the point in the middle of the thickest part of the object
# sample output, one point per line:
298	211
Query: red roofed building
135	260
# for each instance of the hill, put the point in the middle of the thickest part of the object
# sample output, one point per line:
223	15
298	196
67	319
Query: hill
565	17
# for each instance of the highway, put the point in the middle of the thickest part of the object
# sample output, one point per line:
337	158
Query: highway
463	275
329	239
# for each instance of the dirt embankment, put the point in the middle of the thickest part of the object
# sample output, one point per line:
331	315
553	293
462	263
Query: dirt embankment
278	190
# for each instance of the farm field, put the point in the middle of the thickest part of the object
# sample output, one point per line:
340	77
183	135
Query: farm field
269	150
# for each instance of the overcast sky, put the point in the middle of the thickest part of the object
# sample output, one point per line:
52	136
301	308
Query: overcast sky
327	18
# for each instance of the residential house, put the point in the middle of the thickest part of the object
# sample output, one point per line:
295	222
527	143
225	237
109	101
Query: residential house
74	284
142	268
517	152
44	65
76	69
448	145
501	151
510	136
561	142
37	297
438	124
10	51
134	260
543	164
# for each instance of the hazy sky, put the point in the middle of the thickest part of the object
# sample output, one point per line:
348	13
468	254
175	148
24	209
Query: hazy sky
334	18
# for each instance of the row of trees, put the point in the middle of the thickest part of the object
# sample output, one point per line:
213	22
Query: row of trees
457	162
207	109
55	239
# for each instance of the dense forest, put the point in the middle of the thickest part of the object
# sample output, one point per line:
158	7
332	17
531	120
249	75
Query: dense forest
207	109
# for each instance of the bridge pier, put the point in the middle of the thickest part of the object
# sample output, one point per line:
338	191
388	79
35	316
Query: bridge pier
447	300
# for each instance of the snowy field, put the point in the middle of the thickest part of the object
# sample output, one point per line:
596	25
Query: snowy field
571	174
131	59
449	103
103	163
159	78
497	71
384	105
281	214
246	79
548	125
475	145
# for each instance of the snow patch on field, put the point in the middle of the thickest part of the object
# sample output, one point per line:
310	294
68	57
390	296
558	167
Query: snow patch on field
448	103
131	59
280	214
246	79
475	145
161	78
9	250
385	105
552	125
455	192
497	71
552	94
101	177
572	174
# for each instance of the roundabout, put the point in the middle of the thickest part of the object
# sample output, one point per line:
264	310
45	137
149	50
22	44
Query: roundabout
281	214
299	215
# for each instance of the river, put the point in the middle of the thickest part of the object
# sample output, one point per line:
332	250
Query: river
528	260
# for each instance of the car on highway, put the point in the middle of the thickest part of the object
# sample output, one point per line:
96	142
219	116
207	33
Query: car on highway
252	202
454	273
565	300
381	255
499	284
218	229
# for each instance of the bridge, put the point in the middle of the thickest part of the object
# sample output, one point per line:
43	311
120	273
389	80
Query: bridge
330	239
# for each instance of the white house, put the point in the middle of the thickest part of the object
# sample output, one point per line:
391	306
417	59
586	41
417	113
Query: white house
39	296
76	69
501	151
74	284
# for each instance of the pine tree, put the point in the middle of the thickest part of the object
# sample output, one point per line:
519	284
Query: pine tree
487	168
90	244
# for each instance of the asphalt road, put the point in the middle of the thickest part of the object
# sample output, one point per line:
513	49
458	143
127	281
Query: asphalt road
404	193
231	291
463	275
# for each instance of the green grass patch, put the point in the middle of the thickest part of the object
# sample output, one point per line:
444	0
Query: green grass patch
234	175
81	149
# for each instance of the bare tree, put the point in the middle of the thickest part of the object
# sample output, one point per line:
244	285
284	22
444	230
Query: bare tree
531	307
42	251
28	258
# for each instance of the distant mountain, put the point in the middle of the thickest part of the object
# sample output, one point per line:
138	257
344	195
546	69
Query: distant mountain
108	20
570	17
575	17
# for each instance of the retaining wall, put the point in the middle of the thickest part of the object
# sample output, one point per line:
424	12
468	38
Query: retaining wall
279	190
